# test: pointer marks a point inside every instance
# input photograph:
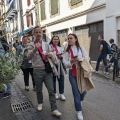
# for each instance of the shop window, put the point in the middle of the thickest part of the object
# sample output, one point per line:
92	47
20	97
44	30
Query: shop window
74	2
78	31
100	27
54	7
93	28
28	2
42	8
85	30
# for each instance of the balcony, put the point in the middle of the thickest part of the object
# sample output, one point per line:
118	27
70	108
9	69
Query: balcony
11	10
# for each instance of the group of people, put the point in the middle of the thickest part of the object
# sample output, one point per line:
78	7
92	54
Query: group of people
48	62
114	54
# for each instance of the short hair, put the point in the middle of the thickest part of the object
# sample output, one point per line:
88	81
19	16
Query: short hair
111	40
25	36
101	36
35	28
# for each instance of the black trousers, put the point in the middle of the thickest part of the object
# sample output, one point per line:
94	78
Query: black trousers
26	76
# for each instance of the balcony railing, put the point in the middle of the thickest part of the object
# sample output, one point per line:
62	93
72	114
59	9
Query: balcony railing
12	6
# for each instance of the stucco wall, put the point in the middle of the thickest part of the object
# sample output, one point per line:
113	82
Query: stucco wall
65	9
111	26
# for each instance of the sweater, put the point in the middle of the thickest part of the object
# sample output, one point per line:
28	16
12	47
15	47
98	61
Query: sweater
33	54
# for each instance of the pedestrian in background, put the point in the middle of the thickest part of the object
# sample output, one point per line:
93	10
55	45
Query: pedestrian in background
26	65
16	44
102	56
65	44
57	50
71	57
39	52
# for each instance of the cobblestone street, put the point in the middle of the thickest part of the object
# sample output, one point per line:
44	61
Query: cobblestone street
101	103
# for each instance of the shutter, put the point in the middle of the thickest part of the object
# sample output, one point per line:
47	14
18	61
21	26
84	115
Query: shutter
27	21
42	8
31	19
74	2
54	7
28	2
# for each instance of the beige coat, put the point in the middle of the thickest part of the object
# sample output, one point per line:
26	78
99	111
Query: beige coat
84	72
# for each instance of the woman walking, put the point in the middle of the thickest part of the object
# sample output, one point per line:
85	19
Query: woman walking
57	50
71	57
26	65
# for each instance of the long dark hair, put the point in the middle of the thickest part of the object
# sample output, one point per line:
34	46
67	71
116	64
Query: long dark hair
76	43
51	42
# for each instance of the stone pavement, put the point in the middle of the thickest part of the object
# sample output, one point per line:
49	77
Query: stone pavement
5	110
101	103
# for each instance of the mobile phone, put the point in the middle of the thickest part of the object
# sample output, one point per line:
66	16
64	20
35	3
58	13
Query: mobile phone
75	56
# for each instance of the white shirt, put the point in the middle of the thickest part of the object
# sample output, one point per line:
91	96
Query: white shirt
80	53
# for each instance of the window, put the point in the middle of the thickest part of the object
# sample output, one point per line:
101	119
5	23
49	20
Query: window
100	27
54	7
28	2
42	8
78	31
74	2
93	28
85	30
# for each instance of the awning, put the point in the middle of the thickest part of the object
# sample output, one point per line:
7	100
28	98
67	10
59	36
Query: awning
26	31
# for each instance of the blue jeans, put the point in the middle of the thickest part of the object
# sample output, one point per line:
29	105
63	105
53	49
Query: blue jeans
77	96
61	84
100	58
111	60
8	90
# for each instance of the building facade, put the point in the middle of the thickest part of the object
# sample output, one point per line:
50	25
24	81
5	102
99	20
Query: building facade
11	18
86	18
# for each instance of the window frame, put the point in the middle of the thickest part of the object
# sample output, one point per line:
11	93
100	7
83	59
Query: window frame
58	13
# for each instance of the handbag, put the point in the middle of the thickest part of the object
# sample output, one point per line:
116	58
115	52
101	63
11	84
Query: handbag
48	68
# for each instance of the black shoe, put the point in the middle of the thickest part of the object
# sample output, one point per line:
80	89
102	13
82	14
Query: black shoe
6	95
2	92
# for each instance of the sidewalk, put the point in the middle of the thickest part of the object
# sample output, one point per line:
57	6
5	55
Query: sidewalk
5	110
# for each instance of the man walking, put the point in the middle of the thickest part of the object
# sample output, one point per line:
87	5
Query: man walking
102	55
38	52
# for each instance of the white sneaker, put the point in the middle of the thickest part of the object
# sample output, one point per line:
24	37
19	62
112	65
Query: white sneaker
79	115
39	107
62	97
56	113
95	71
56	96
106	75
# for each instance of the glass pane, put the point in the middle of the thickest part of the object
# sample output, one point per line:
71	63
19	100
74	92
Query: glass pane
93	28
85	30
100	27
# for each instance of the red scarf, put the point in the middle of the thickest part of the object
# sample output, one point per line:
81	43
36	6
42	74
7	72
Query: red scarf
41	51
55	47
74	70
